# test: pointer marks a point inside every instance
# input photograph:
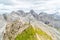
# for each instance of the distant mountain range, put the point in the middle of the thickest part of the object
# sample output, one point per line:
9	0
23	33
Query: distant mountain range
51	19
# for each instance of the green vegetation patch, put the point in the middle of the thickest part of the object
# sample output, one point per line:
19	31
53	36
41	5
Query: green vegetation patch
30	34
58	29
43	34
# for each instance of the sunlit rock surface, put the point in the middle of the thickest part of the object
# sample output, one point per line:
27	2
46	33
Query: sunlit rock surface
42	26
32	30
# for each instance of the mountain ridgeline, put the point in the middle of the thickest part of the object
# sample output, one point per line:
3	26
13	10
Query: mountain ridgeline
19	25
51	19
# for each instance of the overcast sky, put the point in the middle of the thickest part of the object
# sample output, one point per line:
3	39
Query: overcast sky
49	6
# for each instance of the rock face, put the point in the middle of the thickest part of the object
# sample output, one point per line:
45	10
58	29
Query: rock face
51	18
13	29
29	26
33	30
2	26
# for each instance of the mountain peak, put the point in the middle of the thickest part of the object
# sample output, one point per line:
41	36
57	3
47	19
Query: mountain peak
32	11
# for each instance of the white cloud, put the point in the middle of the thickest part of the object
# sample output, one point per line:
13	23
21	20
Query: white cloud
48	6
5	8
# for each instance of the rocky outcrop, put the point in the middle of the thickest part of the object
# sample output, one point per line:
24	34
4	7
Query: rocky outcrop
16	22
32	30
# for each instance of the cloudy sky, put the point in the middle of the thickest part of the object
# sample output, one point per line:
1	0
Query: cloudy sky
49	6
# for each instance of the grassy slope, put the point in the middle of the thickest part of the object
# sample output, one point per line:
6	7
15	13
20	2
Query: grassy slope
30	34
58	29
